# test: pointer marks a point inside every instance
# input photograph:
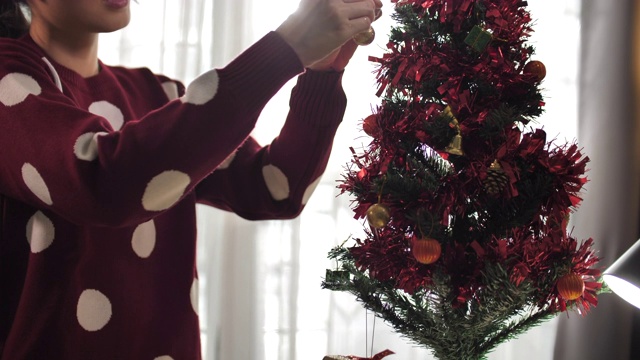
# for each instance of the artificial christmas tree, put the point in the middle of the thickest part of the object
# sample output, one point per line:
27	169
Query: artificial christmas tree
466	204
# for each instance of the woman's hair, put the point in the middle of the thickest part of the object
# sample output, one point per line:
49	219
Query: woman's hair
13	23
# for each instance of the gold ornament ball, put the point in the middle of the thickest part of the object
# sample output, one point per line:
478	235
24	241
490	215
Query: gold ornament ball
378	216
365	37
570	286
536	69
426	250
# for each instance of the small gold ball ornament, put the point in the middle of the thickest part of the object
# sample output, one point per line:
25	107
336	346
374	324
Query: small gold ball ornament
570	286
365	38
378	215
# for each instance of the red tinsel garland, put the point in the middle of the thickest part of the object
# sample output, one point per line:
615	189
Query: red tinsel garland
528	253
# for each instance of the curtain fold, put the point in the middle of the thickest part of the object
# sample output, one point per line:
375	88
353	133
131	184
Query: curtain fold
609	133
227	245
232	327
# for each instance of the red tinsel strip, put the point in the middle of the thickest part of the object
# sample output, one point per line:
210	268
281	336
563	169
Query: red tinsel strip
412	58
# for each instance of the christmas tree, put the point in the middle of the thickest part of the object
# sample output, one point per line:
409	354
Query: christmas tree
466	203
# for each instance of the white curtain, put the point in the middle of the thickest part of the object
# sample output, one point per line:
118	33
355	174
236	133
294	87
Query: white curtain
610	133
260	295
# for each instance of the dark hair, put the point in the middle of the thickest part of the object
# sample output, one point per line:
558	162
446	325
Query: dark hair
13	24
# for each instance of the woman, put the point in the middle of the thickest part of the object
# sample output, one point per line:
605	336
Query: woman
102	166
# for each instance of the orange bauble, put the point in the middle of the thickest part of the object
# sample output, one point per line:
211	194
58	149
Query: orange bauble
536	69
370	126
570	286
426	250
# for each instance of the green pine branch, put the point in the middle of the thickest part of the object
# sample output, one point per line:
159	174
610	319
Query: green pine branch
428	319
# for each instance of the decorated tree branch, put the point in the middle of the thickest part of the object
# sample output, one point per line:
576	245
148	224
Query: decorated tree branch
466	203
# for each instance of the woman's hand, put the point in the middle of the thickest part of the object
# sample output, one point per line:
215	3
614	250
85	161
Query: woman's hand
321	31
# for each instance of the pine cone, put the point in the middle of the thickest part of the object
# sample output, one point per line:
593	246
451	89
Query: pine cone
496	179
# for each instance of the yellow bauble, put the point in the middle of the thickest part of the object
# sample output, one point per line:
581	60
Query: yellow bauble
570	286
426	250
378	216
365	37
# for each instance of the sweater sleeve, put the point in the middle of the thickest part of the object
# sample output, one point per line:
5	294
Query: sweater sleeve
71	161
277	180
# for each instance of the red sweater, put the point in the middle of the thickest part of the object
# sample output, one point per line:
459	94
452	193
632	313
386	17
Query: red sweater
100	177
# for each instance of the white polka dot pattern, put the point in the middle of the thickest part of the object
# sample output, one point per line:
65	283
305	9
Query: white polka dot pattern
171	89
276	181
15	87
94	310
144	239
86	146
227	162
164	190
309	191
40	232
108	111
194	296
36	184
203	89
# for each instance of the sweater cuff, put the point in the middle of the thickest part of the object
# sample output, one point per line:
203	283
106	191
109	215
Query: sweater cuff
319	93
259	72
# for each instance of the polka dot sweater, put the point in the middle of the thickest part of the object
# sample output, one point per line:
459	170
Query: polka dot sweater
100	177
